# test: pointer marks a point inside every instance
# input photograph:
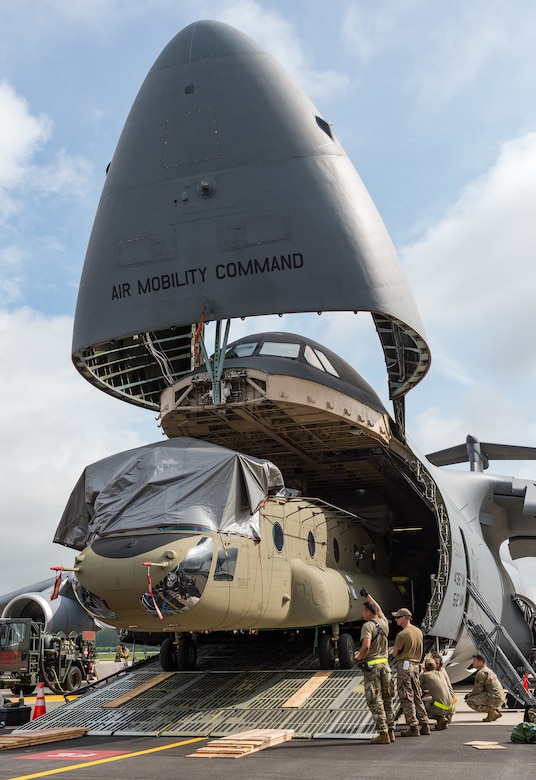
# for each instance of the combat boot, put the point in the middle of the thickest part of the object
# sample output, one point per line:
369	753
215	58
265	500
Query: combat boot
392	735
442	724
381	739
413	731
492	715
424	729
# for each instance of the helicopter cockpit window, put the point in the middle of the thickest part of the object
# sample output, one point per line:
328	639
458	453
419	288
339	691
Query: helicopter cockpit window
280	349
317	359
241	350
226	564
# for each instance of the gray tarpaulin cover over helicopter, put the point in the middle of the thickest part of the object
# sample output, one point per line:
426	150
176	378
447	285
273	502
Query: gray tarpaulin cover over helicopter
180	481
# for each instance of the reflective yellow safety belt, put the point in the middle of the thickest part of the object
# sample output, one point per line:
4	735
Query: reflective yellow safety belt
441	706
377	661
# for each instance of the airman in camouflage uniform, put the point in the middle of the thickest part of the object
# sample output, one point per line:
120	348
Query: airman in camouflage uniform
407	650
436	695
487	694
373	659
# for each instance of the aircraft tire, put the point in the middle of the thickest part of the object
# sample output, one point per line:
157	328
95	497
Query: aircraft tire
186	654
346	648
326	652
168	655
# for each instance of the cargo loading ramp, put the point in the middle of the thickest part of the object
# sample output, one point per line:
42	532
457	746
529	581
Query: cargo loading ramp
217	703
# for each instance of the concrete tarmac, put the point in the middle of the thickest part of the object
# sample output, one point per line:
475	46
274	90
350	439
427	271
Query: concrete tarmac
439	756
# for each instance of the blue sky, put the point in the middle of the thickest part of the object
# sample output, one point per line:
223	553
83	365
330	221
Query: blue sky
434	105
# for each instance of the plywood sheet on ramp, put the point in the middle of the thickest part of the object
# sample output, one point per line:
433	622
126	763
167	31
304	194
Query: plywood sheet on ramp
22	738
243	744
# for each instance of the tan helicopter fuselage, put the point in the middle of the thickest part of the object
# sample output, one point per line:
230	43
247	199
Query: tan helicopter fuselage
307	569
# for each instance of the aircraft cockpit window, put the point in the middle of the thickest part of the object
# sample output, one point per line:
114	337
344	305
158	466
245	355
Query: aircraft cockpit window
326	362
96	606
226	564
283	349
241	350
317	359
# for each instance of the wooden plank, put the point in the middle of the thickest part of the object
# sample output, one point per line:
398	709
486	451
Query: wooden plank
243	744
307	689
29	738
126	697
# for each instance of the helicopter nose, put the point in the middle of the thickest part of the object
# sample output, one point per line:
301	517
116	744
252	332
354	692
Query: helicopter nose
181	587
168	577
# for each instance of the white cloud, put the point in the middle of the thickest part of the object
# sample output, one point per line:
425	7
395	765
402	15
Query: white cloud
53	424
472	273
370	29
21	135
440	52
67	176
29	186
474	280
11	258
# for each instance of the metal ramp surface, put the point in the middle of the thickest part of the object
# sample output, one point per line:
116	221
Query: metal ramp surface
218	703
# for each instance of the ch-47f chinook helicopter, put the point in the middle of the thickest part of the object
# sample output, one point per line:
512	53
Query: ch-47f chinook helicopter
285	487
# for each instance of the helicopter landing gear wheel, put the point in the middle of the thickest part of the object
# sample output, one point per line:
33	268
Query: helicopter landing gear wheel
178	655
326	651
168	655
186	654
346	648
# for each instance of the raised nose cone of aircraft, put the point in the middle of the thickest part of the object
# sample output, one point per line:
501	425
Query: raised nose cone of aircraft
228	195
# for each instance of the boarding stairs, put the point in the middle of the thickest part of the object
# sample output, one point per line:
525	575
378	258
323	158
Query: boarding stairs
491	643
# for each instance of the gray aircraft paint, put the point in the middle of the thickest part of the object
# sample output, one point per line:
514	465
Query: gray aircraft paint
228	195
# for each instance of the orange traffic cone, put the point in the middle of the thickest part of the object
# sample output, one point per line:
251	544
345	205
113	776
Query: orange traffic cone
40	707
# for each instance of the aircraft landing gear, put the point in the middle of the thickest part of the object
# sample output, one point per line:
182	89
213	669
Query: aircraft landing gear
186	653
333	646
327	651
346	649
178	654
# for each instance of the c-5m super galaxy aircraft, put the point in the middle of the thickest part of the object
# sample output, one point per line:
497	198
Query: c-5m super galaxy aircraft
285	487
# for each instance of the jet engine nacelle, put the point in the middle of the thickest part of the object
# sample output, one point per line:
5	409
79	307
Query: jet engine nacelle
63	614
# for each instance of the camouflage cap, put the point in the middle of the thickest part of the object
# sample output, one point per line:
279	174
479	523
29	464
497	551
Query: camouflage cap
402	613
